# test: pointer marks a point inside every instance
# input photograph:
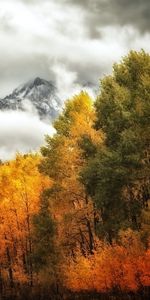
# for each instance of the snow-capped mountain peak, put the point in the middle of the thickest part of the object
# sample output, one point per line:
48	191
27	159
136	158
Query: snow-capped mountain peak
38	93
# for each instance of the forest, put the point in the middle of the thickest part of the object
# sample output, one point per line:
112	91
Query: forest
75	217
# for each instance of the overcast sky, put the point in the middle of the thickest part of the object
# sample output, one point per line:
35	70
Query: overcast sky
72	40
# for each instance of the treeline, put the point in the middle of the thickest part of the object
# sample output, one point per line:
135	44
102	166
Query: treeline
75	219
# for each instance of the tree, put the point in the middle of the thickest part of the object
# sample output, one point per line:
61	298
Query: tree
119	267
20	187
117	176
62	162
43	235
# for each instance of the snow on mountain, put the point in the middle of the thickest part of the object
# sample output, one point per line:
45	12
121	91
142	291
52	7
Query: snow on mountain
26	115
36	95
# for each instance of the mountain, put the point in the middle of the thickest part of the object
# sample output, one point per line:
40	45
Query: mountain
39	95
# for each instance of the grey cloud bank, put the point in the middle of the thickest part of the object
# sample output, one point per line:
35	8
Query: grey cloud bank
71	42
85	36
115	12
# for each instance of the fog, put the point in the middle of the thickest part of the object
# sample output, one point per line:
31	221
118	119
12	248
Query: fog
21	132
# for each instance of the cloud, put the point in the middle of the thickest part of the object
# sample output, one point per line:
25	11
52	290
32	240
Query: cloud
66	81
134	13
71	42
21	131
86	37
108	12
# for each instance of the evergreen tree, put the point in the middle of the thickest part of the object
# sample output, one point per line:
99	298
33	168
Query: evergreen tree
43	234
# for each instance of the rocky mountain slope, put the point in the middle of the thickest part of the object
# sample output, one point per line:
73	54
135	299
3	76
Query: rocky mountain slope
37	95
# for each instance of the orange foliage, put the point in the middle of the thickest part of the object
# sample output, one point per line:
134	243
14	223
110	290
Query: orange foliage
20	187
70	206
125	268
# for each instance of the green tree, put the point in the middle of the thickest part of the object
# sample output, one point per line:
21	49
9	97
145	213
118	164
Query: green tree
43	235
117	176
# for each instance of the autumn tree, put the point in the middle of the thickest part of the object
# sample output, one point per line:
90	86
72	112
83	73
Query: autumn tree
62	162
121	267
20	187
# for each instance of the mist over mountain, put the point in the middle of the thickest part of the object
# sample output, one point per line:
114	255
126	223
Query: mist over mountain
27	114
37	96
